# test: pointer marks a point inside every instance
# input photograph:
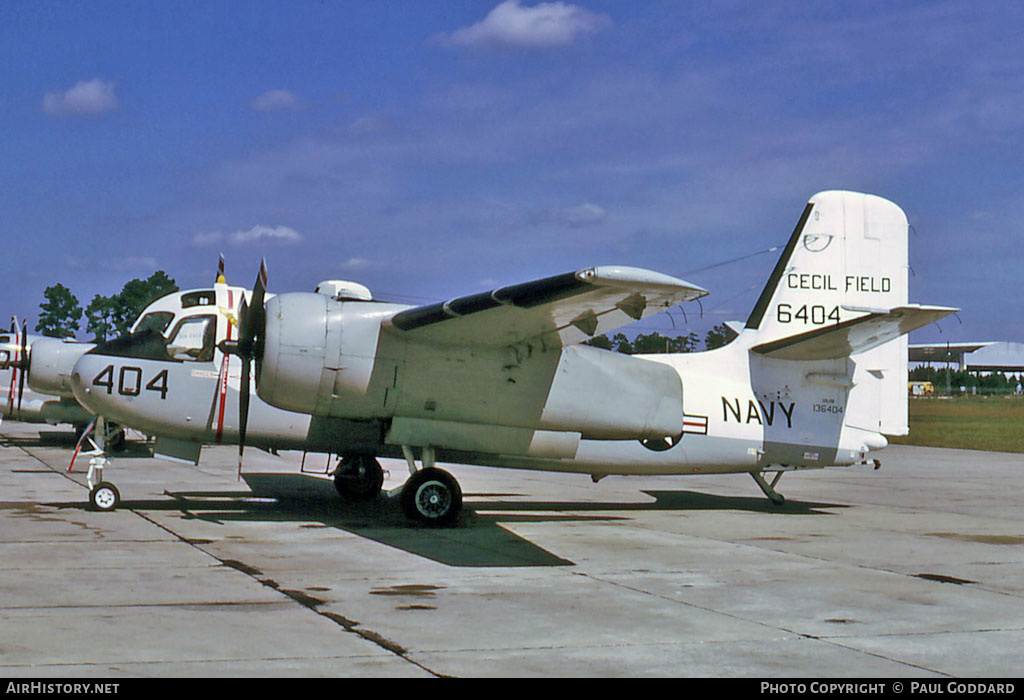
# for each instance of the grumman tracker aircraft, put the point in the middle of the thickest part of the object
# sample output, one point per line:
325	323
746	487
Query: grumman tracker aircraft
27	403
816	378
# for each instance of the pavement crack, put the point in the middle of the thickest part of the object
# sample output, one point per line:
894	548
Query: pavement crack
307	601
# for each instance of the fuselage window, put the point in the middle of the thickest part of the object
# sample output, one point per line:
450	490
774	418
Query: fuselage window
193	338
204	298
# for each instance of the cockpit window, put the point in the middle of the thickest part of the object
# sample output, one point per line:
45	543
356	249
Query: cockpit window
204	298
157	321
192	339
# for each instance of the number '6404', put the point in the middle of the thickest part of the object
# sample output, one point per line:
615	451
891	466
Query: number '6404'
815	315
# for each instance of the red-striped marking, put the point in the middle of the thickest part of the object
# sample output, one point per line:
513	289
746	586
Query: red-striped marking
223	379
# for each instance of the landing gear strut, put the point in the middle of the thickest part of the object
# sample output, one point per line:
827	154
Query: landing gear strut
103	495
769	489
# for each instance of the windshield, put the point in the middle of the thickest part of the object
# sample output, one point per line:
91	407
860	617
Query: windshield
157	321
192	339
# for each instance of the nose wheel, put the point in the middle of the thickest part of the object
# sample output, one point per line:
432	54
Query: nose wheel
104	496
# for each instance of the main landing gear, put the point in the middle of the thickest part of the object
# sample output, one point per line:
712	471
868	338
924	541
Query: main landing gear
359	478
430	495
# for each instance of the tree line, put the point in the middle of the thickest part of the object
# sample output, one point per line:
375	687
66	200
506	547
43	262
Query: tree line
650	343
971	382
106	316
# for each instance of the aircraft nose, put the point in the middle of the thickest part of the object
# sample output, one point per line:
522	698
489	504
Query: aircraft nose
83	391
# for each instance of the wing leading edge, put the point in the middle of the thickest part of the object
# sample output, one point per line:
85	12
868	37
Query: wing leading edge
560	310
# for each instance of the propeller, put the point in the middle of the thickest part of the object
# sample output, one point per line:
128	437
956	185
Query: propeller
24	363
248	347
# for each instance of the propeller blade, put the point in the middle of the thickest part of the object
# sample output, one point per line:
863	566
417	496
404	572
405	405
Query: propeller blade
251	320
220	271
24	363
243	411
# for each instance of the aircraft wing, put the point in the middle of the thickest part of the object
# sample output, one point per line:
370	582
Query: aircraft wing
876	327
557	311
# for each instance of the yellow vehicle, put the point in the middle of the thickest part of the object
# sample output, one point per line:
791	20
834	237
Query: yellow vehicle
921	388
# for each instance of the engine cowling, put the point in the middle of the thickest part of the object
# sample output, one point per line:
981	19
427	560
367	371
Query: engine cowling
52	361
320	356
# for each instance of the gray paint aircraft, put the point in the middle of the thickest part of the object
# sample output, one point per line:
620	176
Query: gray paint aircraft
816	378
19	399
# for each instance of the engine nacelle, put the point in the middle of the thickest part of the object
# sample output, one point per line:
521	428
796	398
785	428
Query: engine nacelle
320	355
52	361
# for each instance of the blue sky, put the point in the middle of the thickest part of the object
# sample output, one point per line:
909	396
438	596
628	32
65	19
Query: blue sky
430	150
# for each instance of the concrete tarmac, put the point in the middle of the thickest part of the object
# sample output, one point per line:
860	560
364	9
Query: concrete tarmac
916	570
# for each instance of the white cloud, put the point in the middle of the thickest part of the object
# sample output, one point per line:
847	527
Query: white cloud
511	25
581	216
276	100
278	234
259	233
86	98
355	264
586	214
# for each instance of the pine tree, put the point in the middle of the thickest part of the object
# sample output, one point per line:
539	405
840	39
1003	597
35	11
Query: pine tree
59	313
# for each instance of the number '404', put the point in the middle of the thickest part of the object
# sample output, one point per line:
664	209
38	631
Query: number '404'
129	381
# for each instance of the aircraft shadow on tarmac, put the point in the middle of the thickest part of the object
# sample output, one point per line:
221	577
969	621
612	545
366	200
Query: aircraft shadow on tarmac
64	438
477	540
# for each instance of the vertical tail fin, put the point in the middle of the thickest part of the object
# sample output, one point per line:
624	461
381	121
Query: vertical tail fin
847	258
847	254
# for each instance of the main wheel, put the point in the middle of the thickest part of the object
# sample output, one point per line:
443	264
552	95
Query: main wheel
104	496
359	478
432	496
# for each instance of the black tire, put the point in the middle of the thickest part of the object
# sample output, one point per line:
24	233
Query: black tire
104	496
432	496
359	478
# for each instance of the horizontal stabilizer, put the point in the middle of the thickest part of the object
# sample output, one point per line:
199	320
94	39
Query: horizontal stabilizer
561	310
856	335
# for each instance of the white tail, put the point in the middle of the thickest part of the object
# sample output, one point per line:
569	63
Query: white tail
839	292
